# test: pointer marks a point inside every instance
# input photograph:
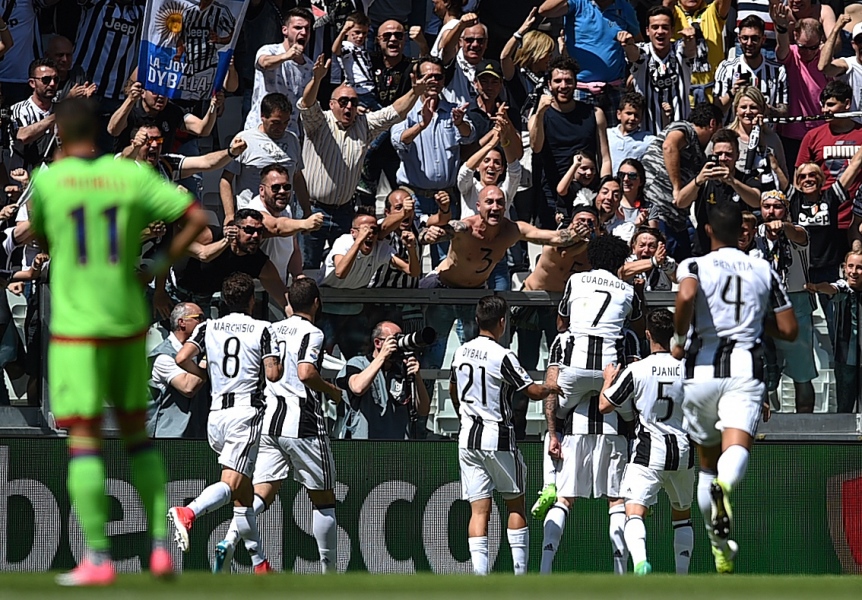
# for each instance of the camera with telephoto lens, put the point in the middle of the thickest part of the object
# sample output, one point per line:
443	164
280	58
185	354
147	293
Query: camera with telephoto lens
408	343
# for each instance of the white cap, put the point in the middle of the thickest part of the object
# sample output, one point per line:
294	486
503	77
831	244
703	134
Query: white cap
857	30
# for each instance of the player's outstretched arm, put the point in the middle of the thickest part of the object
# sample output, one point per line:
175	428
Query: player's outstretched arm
311	378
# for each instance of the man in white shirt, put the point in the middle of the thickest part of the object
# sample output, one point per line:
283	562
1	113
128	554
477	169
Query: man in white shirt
270	143
351	264
272	202
176	409
626	140
283	67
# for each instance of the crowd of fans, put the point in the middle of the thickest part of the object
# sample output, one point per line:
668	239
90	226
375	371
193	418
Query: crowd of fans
483	126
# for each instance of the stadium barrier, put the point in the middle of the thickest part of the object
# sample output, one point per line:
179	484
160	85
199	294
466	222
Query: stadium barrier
799	511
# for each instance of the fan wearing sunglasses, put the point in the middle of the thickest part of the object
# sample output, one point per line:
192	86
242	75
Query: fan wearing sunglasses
35	140
336	143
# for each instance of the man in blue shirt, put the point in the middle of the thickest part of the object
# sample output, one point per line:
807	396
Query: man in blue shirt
602	78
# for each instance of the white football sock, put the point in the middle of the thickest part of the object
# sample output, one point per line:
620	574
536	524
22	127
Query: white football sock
212	498
704	502
555	523
246	522
232	536
635	536
683	544
615	529
479	554
326	533
732	465
519	542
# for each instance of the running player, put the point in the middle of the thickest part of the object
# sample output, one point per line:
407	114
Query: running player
237	348
484	378
594	309
662	456
294	431
724	299
89	211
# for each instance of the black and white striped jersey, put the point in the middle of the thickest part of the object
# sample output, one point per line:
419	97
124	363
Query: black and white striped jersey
389	277
200	26
584	418
770	78
662	80
293	410
487	376
22	19
235	347
107	46
735	293
597	305
652	390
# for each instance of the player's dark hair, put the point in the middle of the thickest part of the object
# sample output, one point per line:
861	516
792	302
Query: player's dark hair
489	311
273	102
661	11
752	22
704	113
659	323
302	293
41	62
77	120
563	63
237	290
276	168
300	12
246	213
836	89
608	252
725	221
359	19
726	136
633	99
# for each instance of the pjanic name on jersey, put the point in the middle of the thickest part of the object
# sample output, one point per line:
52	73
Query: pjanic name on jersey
658	371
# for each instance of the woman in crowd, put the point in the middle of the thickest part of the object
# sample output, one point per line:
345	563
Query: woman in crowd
749	107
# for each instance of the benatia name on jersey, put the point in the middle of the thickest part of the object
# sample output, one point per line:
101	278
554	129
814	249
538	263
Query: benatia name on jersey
732	266
603	281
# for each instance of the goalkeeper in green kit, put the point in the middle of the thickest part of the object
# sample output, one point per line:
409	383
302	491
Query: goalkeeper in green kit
88	213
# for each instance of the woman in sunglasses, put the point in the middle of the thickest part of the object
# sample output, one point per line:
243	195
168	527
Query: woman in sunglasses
634	206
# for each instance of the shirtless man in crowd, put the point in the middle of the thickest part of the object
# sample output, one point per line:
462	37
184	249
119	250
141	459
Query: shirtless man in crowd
478	243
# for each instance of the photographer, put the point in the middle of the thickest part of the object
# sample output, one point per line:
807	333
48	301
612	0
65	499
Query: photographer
385	392
785	246
719	181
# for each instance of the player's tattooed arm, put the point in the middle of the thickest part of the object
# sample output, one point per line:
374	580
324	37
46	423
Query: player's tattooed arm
551	401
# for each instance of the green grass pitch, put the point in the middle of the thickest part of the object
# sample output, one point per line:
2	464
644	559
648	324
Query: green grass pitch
193	586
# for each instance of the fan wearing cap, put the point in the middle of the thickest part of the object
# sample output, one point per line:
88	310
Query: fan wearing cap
785	246
848	69
488	108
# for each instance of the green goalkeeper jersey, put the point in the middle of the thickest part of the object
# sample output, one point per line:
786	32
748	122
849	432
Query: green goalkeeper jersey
92	212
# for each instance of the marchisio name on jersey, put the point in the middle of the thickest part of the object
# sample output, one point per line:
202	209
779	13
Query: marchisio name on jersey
233	327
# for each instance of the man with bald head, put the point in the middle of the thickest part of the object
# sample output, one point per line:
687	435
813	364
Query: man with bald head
461	49
336	142
478	243
73	80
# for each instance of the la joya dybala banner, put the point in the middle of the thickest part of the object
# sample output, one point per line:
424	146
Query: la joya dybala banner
187	45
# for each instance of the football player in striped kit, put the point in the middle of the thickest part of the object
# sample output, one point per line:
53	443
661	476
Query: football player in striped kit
662	456
294	431
485	377
594	309
240	351
723	301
